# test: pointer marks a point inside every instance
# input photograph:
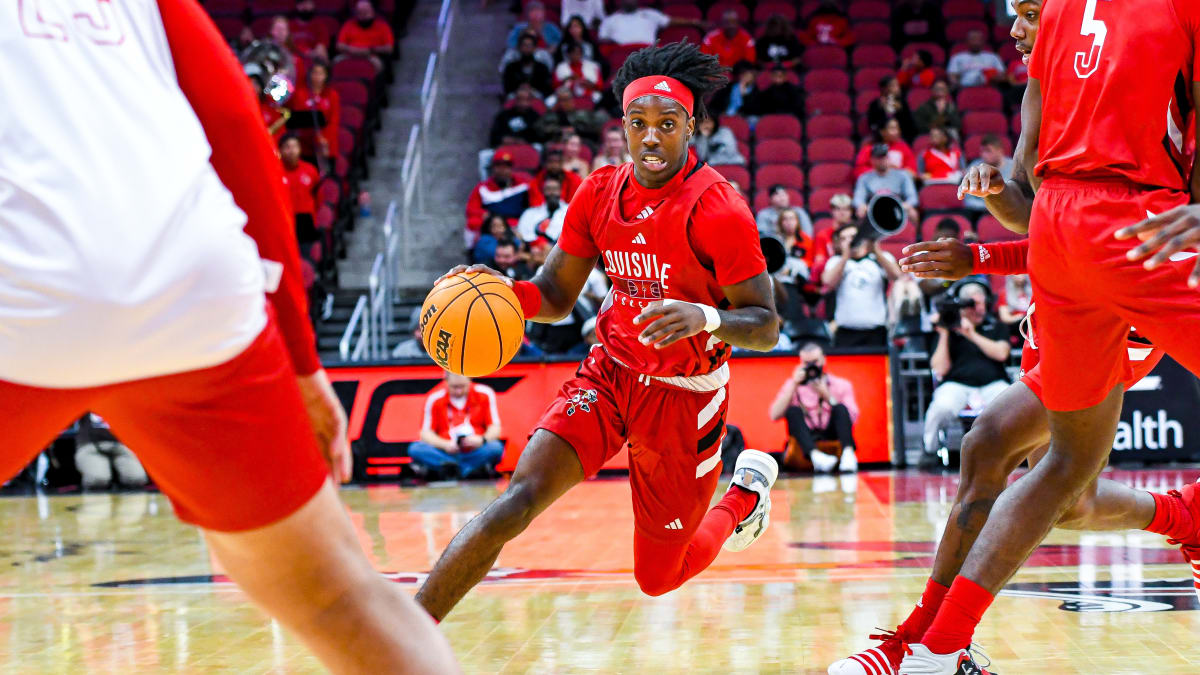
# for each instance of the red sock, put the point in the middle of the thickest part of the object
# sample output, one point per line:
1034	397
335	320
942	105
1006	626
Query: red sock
1171	517
914	627
955	623
740	502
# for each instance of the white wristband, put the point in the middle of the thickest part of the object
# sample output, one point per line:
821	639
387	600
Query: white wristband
712	318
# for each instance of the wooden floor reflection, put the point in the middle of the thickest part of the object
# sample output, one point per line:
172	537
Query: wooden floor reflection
107	583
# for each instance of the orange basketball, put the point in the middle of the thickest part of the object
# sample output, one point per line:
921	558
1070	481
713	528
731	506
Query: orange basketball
472	324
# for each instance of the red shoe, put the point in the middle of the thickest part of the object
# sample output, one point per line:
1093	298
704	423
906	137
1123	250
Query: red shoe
881	660
1190	547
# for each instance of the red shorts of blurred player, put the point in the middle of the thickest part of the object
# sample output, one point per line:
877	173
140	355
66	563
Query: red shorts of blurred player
1089	294
230	445
674	440
1142	359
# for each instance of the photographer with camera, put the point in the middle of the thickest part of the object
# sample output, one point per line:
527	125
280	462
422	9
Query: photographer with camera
858	275
972	349
818	406
460	436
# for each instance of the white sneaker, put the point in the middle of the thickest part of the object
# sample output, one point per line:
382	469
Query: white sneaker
921	661
755	471
849	461
822	462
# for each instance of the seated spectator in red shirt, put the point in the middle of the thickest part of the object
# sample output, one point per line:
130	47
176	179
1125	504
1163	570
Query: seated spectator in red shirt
917	70
828	25
582	75
778	44
900	154
460	434
366	35
315	96
301	179
310	37
553	167
503	193
942	161
730	43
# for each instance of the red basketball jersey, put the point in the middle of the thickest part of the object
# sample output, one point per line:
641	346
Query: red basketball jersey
1116	78
683	241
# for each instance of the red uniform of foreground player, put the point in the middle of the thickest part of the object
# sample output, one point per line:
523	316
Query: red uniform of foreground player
1112	90
128	287
671	233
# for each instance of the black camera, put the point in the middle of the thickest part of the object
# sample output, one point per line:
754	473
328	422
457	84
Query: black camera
949	309
812	371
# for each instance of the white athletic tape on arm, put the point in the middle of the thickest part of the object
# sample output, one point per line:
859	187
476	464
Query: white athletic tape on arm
712	318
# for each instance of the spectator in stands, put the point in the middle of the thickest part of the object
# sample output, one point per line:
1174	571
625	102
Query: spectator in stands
883	178
858	274
917	70
1017	79
526	69
614	151
573	157
632	24
412	348
495	229
367	36
900	154
942	161
938	111
1018	297
796	272
579	33
917	21
502	193
508	260
280	33
590	12
969	360
582	75
552	167
545	220
301	179
991	151
977	66
781	97
818	406
715	144
732	99
547	34
516	123
778	43
827	25
588	331
730	43
460	435
768	217
597	285
104	461
310	37
891	106
565	119
317	96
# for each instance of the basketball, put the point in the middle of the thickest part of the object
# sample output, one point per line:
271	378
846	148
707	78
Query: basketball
472	324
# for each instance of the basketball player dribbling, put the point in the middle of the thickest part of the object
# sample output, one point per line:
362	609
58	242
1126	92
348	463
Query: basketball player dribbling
689	281
1015	427
1112	88
131	285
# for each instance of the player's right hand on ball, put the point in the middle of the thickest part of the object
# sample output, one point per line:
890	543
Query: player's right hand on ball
478	269
981	180
942	259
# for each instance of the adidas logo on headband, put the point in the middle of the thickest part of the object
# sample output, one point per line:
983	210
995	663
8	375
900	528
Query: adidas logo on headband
662	86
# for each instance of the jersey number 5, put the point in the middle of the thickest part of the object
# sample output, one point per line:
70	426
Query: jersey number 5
98	24
1087	62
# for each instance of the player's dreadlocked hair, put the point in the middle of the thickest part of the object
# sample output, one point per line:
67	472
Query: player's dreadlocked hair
700	72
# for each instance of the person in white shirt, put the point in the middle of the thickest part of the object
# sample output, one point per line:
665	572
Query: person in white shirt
634	25
975	67
591	11
859	274
544	221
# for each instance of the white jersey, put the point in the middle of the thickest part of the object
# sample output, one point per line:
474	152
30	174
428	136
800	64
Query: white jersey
122	256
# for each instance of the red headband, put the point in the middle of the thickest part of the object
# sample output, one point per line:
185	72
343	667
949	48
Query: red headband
658	85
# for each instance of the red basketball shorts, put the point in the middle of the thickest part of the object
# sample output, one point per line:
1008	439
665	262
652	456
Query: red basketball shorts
674	440
230	445
1089	295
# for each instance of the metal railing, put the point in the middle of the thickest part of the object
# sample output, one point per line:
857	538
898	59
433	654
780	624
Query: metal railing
347	347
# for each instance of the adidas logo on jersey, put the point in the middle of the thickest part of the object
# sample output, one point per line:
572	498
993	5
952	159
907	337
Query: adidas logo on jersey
662	86
674	525
644	214
639	239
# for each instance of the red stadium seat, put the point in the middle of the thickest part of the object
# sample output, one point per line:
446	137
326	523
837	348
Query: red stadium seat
787	175
352	92
834	125
917	96
819	203
940	197
972	99
971	146
764	79
324	217
525	157
738	125
353	69
765	10
990	229
762	198
308	275
778	151
921	144
872	33
931	222
833	174
984	123
329	192
261	27
1000	34
827	103
346	142
616	54
956	31
716	11
869	10
939	54
225	8
777	126
330	7
867	79
687	12
963	9
229	27
736	174
352	118
873	56
744	149
681	33
827	79
863	100
272	7
831	150
824	56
